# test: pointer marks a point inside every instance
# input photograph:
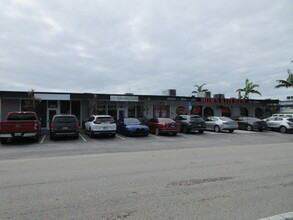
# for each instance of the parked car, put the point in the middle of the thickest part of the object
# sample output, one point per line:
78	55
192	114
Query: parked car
251	123
221	123
132	127
281	124
163	126
191	123
286	115
100	124
19	125
64	125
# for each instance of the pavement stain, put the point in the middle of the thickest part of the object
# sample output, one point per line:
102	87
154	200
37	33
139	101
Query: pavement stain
119	215
197	181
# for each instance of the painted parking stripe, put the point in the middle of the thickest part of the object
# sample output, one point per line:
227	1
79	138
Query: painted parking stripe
284	216
83	138
121	137
43	139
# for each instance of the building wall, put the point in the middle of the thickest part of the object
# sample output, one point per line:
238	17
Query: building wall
9	105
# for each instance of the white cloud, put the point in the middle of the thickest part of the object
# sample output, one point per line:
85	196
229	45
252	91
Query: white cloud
145	46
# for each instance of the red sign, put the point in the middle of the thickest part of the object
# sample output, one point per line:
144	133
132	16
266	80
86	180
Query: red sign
222	101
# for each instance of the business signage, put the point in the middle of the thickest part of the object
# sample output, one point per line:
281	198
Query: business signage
223	101
115	98
44	96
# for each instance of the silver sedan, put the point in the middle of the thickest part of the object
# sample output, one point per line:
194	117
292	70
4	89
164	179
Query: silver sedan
221	123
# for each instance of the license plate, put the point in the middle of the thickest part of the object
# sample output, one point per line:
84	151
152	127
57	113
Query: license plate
172	126
65	128
199	125
17	134
105	128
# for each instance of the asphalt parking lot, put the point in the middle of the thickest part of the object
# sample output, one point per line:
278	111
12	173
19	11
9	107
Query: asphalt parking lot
241	175
99	145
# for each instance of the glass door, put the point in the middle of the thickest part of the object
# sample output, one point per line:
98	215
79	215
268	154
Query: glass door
53	109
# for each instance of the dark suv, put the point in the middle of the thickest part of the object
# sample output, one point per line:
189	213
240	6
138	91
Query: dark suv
191	123
64	125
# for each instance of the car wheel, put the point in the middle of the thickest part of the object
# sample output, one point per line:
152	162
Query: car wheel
174	134
283	129
4	140
157	132
201	131
260	130
184	129
231	131
217	128
249	128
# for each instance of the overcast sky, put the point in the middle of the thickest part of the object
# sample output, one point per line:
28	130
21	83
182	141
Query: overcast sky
145	46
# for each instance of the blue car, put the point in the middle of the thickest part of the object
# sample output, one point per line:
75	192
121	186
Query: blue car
132	127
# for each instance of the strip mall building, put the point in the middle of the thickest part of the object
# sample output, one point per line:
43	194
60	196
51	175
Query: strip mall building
82	105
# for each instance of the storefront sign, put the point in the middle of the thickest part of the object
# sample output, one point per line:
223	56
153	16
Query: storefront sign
124	98
44	96
223	101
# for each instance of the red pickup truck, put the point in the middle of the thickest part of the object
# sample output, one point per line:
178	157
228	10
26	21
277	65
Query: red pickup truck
20	124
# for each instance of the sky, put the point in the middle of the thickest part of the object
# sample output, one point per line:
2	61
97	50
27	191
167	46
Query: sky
145	46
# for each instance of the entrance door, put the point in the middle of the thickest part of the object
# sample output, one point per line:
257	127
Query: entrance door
122	113
53	109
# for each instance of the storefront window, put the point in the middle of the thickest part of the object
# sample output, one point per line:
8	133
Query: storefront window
258	113
112	110
243	111
75	108
161	111
65	107
52	104
208	112
131	110
226	112
101	108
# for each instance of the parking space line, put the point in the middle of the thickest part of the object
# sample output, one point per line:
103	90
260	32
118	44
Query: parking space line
83	138
43	139
124	139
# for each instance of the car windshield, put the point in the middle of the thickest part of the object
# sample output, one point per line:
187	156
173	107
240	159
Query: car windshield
21	116
165	120
64	120
225	119
131	121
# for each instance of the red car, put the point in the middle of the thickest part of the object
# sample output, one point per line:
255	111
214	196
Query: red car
163	126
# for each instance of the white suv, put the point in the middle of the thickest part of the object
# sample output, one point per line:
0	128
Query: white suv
280	123
100	124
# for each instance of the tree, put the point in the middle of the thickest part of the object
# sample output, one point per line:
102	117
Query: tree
32	103
199	88
249	88
288	82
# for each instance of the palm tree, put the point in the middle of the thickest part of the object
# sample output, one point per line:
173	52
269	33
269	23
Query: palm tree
199	88
249	88
286	83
